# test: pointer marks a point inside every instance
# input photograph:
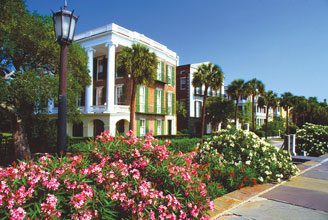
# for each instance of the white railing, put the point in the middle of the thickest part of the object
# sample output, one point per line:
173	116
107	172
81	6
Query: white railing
122	108
98	108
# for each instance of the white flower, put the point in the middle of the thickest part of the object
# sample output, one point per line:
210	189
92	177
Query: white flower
248	162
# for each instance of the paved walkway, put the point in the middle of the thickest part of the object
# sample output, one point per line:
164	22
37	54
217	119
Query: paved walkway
303	197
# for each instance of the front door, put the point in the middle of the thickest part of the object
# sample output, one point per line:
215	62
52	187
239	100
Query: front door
169	127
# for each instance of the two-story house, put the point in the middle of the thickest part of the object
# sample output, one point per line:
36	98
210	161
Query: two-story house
192	97
105	103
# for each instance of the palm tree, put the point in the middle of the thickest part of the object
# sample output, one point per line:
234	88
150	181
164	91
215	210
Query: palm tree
255	88
236	90
269	100
140	65
286	101
211	76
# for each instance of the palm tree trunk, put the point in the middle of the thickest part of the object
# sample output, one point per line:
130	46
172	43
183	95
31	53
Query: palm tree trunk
253	113
287	121
236	111
133	105
203	114
22	150
266	122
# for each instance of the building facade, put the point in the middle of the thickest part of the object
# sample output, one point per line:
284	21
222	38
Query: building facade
105	103
192	99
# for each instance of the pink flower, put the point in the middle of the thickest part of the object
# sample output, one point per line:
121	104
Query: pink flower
17	214
135	174
49	207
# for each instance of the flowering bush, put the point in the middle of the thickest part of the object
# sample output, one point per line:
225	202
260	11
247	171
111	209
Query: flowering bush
313	139
120	178
245	151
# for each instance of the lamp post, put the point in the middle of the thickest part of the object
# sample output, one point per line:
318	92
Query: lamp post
64	26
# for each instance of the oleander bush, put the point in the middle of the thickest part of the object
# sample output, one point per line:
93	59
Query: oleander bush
116	178
245	151
183	145
313	139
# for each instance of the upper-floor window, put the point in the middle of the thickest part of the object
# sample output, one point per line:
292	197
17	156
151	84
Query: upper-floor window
198	90
169	74
169	103
100	68
159	71
159	101
183	81
119	95
142	98
99	96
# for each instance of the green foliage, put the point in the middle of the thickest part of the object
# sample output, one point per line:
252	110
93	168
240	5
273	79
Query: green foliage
276	127
241	148
313	139
209	75
260	133
247	112
181	109
184	145
219	110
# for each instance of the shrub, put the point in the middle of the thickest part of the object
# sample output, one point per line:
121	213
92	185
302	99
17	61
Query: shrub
118	178
313	139
292	129
260	133
242	148
184	145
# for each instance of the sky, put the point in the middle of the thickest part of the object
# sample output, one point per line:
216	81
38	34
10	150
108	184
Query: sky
283	43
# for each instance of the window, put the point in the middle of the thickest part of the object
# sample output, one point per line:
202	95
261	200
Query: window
198	108
99	95
169	74
119	94
142	98
142	127
159	101
183	83
198	90
169	103
159	71
159	127
78	130
100	68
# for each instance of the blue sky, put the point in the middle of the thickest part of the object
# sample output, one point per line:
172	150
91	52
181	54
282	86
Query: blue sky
284	43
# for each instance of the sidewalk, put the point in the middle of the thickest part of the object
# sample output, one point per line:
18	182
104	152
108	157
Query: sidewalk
303	197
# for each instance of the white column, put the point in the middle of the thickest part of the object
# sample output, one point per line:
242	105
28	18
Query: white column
89	89
110	83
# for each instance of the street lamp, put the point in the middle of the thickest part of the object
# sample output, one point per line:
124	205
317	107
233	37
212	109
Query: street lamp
64	26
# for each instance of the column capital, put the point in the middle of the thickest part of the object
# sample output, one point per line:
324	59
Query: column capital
111	43
90	49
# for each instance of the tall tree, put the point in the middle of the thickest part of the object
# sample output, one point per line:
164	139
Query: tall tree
269	100
29	63
237	90
219	110
286	101
140	65
255	88
211	76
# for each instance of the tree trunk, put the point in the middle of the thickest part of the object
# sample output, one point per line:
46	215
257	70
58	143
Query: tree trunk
266	122
253	114
22	150
203	114
133	106
287	121
236	111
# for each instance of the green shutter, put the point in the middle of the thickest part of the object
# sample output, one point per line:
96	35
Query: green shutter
138	128
163	129
155	129
167	75
173	104
147	126
155	102
173	75
162	63
167	103
137	99
162	106
146	100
